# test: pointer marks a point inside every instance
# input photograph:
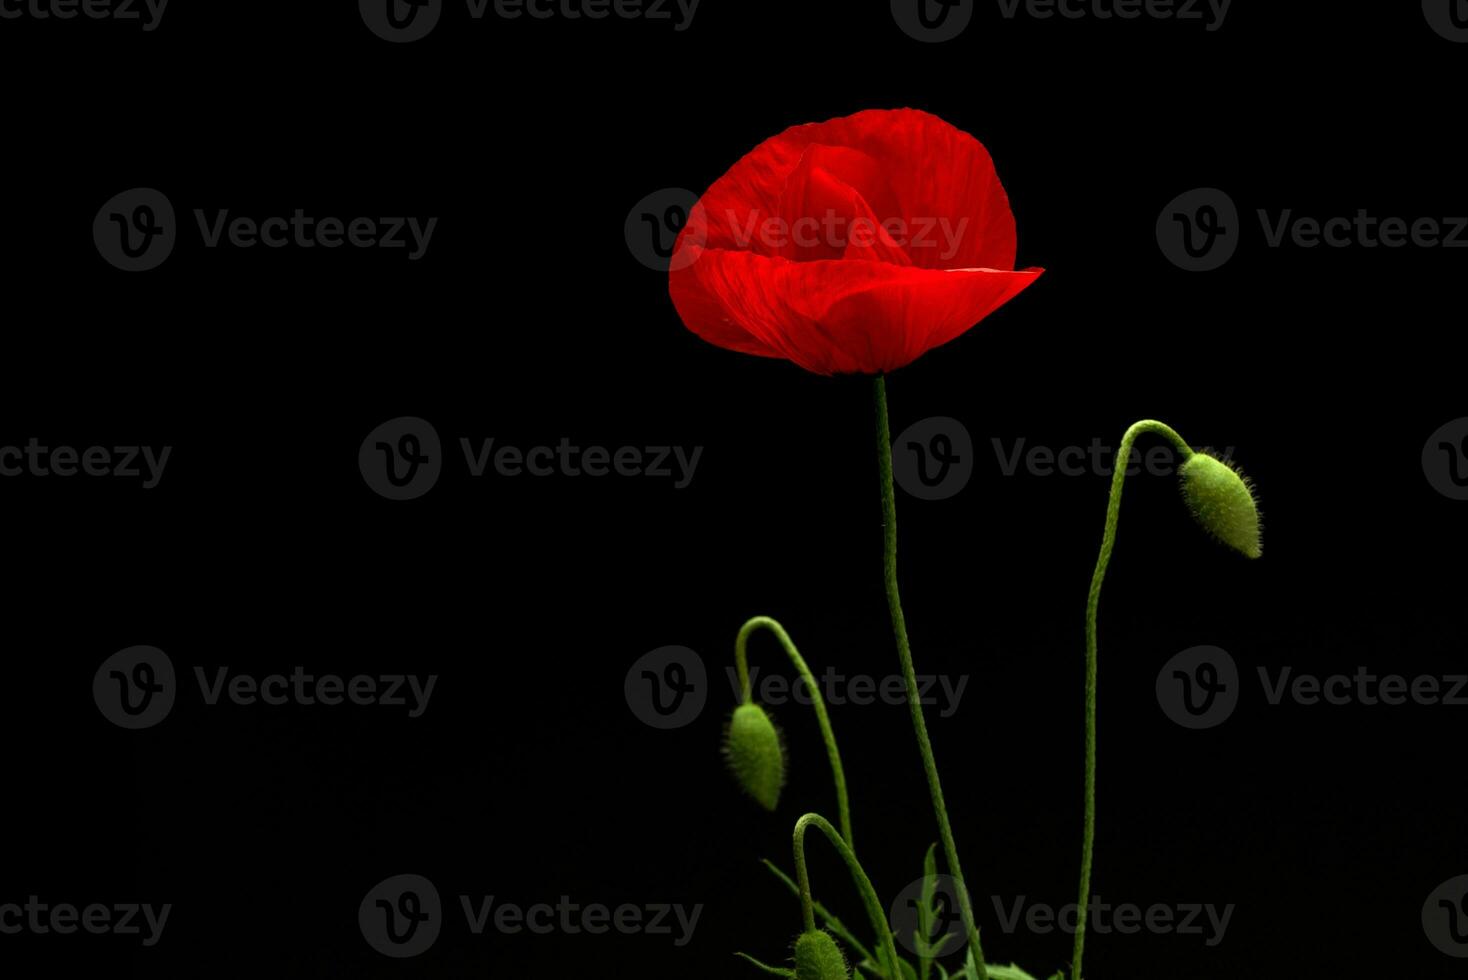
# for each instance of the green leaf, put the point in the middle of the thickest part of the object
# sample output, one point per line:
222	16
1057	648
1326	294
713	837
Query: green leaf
926	952
967	973
775	971
970	971
1013	972
928	948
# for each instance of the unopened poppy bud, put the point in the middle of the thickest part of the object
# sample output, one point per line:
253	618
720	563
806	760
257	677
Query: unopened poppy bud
817	957
1222	500
756	757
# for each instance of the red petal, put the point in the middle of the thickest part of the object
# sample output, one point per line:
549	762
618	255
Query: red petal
836	304
834	317
826	210
907	163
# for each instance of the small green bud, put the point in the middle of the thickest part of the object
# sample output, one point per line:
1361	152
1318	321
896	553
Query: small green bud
756	756
1222	499
817	957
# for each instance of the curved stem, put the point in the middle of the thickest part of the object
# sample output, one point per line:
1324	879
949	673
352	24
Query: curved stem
741	664
904	653
1093	602
863	884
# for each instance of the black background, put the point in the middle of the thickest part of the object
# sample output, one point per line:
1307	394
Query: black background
529	320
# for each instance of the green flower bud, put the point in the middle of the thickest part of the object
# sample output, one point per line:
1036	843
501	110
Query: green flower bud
817	957
756	756
1222	499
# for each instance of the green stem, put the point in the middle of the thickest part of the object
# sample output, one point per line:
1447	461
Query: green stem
863	884
904	653
741	664
1093	602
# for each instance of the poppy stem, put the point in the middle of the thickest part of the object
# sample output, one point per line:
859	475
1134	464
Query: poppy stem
888	946
1093	602
904	653
741	665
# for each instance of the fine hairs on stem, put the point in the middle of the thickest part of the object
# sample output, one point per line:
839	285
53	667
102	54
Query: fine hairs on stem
741	666
909	673
873	904
1223	503
1093	602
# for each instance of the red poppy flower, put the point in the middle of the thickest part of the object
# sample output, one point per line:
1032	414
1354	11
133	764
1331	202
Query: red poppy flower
849	246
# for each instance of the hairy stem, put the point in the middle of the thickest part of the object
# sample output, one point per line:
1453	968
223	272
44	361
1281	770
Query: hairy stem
904	653
888	947
1093	602
741	664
